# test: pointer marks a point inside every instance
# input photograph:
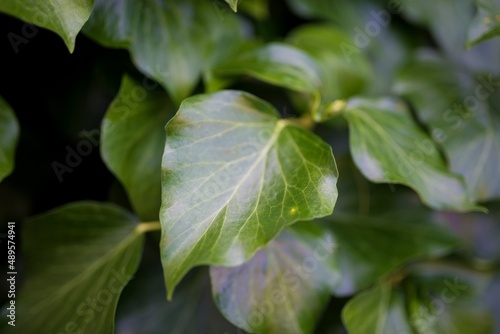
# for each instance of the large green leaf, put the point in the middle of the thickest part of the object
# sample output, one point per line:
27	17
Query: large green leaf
9	134
372	247
342	74
172	41
64	17
486	23
380	310
284	287
234	175
133	138
78	258
388	146
462	116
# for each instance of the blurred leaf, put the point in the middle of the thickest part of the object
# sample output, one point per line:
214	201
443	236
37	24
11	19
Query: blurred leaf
133	138
371	247
258	9
284	287
446	19
233	176
380	310
64	17
486	22
277	64
445	299
342	73
172	41
144	309
78	259
461	114
388	146
233	4
9	134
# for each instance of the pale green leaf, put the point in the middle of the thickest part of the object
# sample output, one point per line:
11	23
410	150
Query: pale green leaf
78	258
133	138
233	176
462	116
371	247
486	22
284	287
171	41
380	310
64	17
9	134
388	146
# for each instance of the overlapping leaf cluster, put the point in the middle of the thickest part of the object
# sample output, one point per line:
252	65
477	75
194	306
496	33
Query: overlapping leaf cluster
229	177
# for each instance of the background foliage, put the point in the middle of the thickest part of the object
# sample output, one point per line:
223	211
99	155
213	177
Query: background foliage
280	112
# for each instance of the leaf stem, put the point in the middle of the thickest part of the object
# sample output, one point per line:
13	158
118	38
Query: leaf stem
148	227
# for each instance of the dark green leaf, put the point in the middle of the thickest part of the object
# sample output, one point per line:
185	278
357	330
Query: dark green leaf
9	134
258	9
78	259
372	247
486	23
172	41
133	139
234	175
64	17
284	287
388	146
380	310
461	114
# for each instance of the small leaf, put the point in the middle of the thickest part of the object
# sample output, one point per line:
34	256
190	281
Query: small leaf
372	247
133	139
380	310
462	116
284	287
171	41
9	134
234	175
486	23
78	259
65	18
388	146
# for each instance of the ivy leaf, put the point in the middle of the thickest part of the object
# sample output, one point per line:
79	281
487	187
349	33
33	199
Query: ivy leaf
9	134
133	139
233	4
371	247
284	287
456	107
78	258
387	146
64	17
171	41
278	64
486	23
233	176
379	310
341	74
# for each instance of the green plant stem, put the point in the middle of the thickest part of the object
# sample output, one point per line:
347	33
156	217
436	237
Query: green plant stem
148	227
